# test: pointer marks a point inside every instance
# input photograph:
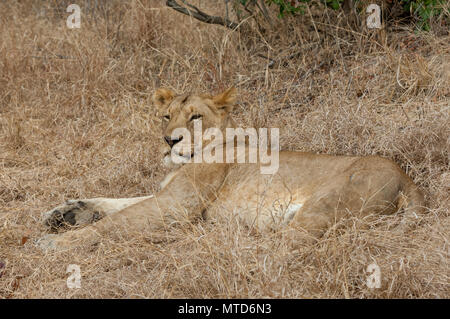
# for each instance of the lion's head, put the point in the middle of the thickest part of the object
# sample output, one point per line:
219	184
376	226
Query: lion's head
187	111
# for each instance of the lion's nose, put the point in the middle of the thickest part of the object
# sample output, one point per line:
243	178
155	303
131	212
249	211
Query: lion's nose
171	141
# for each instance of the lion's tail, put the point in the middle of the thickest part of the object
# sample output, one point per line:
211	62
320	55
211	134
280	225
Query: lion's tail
413	199
412	202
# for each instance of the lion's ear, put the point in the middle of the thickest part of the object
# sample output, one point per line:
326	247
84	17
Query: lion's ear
226	99
162	98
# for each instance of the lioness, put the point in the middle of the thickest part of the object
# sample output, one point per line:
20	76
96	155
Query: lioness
307	194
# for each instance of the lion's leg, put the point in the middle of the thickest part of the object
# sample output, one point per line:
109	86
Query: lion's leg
358	192
86	211
135	217
182	200
149	214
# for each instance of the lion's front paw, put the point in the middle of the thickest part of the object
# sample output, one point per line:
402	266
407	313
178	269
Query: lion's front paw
72	213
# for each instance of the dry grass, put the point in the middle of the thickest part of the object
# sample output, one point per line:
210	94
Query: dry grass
82	126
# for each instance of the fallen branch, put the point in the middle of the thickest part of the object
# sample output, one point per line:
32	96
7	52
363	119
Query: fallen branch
196	13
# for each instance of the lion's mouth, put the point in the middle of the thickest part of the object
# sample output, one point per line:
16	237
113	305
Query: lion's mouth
187	157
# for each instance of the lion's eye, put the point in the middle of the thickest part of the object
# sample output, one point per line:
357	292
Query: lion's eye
195	117
167	117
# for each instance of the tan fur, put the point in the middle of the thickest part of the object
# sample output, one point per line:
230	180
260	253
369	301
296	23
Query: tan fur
308	193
